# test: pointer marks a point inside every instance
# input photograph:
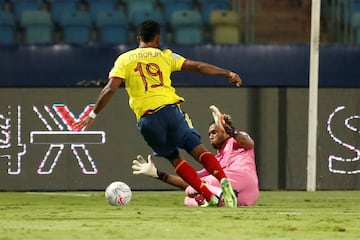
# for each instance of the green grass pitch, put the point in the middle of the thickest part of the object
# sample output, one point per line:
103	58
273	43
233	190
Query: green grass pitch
161	215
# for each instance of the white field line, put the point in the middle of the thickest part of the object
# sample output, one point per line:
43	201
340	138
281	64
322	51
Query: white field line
60	194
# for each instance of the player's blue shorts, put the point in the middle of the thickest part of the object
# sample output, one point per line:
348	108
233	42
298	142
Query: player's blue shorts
168	129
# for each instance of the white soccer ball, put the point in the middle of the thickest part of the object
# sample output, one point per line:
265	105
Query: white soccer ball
118	193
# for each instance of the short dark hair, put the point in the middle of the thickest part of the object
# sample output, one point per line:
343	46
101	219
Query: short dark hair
148	30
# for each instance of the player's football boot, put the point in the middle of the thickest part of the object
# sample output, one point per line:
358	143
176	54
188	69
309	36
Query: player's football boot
230	199
214	201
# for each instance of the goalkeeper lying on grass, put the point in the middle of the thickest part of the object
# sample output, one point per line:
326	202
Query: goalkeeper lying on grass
235	153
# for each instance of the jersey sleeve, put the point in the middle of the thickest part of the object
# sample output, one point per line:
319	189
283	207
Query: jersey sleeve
176	61
118	69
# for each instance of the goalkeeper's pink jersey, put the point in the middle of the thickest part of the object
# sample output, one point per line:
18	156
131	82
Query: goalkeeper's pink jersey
233	157
239	166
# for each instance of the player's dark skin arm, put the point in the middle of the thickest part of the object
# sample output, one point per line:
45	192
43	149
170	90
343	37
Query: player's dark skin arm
209	69
106	93
103	99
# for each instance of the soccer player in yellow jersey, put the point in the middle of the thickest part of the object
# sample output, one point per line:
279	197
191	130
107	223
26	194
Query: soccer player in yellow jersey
146	71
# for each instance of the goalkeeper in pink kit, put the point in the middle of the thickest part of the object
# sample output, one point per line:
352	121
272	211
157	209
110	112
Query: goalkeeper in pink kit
235	153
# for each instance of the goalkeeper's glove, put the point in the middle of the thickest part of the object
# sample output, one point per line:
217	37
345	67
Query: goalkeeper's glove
223	121
227	124
142	167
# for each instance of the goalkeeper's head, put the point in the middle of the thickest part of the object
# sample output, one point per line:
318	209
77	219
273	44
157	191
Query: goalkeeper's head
217	136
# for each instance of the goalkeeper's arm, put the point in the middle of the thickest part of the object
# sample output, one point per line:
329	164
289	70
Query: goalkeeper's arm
245	140
241	137
147	167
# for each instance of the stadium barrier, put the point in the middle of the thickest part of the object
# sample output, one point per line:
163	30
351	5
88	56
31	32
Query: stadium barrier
39	151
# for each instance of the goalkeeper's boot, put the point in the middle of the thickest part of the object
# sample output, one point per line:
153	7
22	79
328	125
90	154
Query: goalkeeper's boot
214	201
230	199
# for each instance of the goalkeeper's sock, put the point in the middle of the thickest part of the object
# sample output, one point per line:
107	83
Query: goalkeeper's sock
188	173
211	164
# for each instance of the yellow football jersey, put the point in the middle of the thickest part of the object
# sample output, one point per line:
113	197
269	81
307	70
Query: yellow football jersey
146	72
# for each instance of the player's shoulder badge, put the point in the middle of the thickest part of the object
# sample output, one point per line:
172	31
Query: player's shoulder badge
175	55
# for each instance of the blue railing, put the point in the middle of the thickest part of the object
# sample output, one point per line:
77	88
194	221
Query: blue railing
258	65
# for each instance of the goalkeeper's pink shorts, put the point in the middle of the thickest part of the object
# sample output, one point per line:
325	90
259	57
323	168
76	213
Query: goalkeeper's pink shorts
245	183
